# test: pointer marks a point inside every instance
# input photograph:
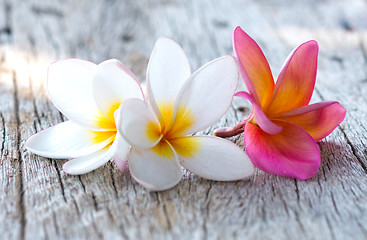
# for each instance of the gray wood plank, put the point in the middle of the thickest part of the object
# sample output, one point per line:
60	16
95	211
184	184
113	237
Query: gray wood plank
39	201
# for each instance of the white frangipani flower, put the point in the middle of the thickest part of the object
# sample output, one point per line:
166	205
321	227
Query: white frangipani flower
87	94
181	104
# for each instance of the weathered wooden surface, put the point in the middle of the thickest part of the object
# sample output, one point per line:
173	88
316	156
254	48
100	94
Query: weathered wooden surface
39	201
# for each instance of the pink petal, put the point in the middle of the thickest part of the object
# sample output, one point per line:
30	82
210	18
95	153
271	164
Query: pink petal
318	119
261	119
296	81
254	67
290	153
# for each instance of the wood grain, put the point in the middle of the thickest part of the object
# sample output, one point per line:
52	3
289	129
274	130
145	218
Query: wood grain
39	201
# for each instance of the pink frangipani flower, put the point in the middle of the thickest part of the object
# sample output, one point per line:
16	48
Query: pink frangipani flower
281	133
180	104
88	95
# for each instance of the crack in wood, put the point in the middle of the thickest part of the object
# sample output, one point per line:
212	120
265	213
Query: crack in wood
299	221
338	59
81	183
207	200
113	181
120	226
364	50
47	31
169	224
319	94
3	133
297	190
55	224
354	150
330	227
20	180
99	234
7	29
284	204
134	188
76	207
35	110
60	180
37	116
362	228
51	11
334	203
62	117
95	203
318	179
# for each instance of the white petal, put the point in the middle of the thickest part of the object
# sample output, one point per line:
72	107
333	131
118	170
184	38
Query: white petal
138	124
121	153
213	158
168	69
68	140
122	148
112	84
69	86
90	162
207	95
154	171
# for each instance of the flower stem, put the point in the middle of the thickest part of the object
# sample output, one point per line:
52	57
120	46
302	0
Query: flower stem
231	131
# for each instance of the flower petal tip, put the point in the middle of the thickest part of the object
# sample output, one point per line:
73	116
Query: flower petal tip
342	112
229	131
66	169
71	171
221	132
239	30
120	163
312	43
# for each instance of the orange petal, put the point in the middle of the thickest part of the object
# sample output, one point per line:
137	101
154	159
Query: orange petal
296	81
254	67
318	119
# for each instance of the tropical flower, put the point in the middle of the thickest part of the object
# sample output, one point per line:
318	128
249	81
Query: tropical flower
281	133
181	104
87	94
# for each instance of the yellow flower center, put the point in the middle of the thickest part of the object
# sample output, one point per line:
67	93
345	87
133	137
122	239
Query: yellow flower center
173	133
106	122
